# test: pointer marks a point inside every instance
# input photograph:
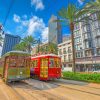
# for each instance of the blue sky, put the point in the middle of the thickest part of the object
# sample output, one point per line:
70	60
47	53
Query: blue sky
30	17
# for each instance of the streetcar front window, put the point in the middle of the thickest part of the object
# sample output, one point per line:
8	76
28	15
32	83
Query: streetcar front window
54	62
21	61
13	61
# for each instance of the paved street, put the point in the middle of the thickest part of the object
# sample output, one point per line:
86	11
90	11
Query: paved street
52	90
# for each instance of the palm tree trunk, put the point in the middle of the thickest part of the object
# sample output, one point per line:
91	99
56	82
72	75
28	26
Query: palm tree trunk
29	48
73	47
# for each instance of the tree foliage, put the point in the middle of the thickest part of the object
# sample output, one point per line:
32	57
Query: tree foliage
48	48
25	44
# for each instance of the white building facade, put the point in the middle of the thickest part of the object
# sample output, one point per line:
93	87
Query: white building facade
65	52
87	43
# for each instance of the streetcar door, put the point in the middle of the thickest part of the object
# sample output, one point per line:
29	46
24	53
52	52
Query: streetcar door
6	67
44	68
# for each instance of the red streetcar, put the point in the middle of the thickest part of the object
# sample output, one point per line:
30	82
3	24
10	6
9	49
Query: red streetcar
46	67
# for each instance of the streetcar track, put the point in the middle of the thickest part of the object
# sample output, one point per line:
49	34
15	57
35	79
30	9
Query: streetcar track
24	91
44	94
77	84
71	88
75	89
18	94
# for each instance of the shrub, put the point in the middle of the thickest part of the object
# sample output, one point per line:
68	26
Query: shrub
88	77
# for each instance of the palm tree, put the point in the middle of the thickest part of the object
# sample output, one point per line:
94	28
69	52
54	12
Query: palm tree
94	3
94	6
68	16
26	44
21	46
29	40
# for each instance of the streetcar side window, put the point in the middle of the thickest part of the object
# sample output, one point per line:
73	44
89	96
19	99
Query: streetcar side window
57	62
34	63
51	62
27	62
44	62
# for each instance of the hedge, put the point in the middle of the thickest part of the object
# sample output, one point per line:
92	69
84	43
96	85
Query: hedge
87	77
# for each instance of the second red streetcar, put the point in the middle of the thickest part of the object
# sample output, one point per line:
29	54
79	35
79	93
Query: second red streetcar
46	67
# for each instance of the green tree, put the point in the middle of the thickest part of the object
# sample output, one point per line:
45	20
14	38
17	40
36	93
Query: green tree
93	6
53	48
29	42
21	46
26	44
50	47
69	15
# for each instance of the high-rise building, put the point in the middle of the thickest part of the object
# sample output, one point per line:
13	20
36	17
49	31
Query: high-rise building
9	42
87	43
55	31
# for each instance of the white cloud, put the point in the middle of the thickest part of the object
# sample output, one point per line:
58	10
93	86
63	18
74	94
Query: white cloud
36	24
45	35
16	18
38	4
33	26
80	2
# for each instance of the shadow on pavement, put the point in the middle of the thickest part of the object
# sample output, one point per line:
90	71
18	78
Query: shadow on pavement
33	84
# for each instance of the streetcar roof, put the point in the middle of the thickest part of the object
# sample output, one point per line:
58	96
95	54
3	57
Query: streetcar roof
45	55
15	52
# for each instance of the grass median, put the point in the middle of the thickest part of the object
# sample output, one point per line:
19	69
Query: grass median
87	77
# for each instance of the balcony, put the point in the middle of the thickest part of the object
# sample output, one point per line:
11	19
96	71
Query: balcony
68	60
97	35
97	46
86	38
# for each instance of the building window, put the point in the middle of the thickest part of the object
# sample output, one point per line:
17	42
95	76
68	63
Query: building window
65	58
64	50
79	54
77	33
77	40
78	47
76	27
88	53
69	65
88	44
60	51
69	50
69	57
98	51
98	42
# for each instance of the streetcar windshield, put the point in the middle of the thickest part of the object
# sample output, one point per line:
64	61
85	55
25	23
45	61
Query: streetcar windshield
21	61
54	62
13	61
17	61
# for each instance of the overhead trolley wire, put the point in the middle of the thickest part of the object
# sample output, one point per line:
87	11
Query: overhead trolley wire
9	9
